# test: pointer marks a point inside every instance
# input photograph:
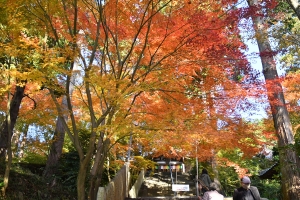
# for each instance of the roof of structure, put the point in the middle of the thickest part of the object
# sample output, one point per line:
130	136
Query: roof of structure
269	172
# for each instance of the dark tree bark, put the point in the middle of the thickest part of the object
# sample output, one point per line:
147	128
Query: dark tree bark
55	149
289	161
97	170
14	113
59	133
295	5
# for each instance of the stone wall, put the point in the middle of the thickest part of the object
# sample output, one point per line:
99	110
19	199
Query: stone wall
117	189
134	191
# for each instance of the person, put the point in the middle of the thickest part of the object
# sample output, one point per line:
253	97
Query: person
205	181
213	194
246	191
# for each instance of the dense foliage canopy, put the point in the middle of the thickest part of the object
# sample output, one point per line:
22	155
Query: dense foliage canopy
130	77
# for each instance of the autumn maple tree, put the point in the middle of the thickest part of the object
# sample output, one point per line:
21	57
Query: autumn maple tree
18	51
169	73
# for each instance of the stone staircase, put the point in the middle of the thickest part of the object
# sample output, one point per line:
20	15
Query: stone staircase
159	187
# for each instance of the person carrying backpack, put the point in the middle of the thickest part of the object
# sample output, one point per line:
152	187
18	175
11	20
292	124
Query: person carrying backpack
205	181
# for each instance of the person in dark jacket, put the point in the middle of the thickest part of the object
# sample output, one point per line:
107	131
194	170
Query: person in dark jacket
246	191
205	181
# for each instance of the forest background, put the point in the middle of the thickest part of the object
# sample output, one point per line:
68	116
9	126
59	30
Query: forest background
86	85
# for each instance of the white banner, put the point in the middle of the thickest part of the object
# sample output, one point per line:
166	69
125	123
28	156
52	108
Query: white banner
180	187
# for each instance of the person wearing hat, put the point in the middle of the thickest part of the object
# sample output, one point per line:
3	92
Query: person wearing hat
213	194
246	191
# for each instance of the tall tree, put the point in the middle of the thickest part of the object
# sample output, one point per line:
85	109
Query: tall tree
11	58
19	57
289	161
125	64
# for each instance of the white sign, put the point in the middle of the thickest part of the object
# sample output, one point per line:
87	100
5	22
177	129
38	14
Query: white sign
180	187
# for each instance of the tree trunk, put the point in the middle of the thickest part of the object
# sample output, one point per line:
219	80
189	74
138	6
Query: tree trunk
23	141
295	5
55	149
289	161
98	168
81	178
9	151
15	141
14	112
215	171
59	134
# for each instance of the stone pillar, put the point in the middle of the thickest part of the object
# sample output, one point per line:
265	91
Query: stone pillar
101	193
